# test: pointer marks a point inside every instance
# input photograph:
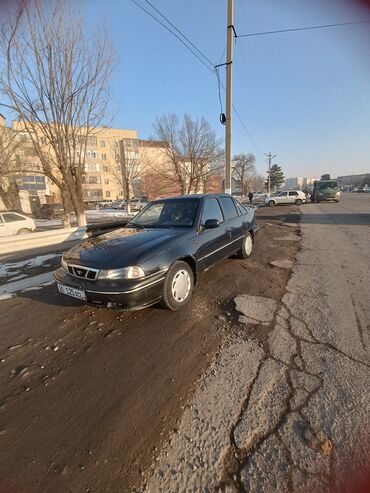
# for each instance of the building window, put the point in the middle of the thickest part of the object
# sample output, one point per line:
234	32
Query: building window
102	143
43	140
91	180
106	181
116	157
34	167
107	193
115	143
104	157
105	169
91	167
92	141
92	194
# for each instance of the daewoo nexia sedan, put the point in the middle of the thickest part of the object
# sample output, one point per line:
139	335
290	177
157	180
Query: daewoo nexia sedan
158	256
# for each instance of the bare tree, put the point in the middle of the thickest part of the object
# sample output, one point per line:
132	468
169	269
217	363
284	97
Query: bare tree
10	147
244	170
257	183
130	162
56	82
191	150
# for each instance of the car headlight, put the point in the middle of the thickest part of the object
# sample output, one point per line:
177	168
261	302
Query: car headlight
64	264
133	272
337	194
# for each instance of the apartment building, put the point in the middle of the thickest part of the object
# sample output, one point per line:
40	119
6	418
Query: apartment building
107	150
299	182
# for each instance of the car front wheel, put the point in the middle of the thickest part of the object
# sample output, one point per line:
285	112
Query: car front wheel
247	247
299	202
178	286
23	231
271	203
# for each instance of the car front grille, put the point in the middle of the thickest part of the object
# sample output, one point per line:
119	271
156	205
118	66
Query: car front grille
83	272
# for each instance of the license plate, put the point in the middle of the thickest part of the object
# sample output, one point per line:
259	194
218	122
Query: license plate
75	293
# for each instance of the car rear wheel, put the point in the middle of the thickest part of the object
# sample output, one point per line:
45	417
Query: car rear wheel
23	231
178	286
247	247
271	203
299	202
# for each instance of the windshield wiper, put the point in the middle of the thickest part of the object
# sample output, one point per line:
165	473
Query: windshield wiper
138	226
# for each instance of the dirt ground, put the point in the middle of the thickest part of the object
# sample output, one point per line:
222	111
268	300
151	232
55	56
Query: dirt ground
87	396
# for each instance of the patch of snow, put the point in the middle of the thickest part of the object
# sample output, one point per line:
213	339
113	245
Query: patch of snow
15	287
6	296
8	269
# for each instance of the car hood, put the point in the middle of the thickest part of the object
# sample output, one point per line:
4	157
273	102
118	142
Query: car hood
122	247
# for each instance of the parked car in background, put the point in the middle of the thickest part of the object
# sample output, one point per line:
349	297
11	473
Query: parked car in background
259	197
13	223
159	254
286	197
105	203
50	211
138	204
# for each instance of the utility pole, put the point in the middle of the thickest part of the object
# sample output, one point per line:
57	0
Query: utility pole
229	80
270	158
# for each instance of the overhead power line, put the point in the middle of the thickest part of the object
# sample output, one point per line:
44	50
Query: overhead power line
180	36
181	33
174	34
325	26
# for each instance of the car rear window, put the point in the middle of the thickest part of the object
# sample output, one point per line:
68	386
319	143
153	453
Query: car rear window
228	208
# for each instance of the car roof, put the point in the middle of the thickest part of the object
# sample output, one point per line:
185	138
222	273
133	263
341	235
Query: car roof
195	196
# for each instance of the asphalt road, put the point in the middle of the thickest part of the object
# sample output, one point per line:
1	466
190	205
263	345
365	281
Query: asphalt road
286	405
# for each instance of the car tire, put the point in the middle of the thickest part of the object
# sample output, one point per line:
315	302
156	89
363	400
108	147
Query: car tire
271	203
23	231
299	202
178	286
247	247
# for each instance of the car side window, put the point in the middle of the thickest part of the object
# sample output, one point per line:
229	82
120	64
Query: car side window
282	194
228	208
293	194
241	210
10	218
211	210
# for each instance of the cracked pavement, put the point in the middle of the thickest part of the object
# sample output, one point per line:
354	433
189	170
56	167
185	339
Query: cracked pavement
289	409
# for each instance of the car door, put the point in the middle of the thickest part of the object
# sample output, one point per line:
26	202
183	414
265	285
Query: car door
293	196
281	198
4	227
234	224
212	242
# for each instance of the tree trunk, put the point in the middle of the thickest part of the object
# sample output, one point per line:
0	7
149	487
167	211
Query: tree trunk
127	193
66	208
10	196
75	192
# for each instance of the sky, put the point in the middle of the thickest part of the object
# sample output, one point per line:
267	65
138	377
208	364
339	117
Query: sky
304	96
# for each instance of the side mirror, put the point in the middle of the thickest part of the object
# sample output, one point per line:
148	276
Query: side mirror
211	224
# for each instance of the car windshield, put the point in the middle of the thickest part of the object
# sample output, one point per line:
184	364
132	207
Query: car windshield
328	185
172	213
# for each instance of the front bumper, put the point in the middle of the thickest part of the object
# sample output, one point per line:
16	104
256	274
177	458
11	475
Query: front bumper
123	294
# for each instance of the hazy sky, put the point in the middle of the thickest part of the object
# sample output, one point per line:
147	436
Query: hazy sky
304	96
